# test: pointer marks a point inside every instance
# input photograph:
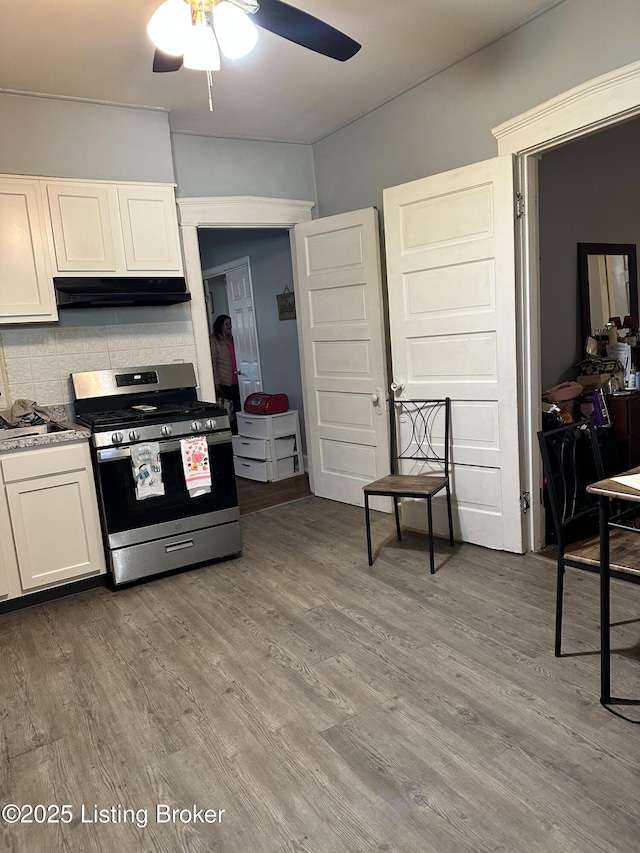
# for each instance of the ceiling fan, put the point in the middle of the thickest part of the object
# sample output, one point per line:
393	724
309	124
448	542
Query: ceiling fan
189	32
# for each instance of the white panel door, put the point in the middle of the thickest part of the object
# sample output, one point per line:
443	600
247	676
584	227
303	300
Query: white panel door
339	300
452	307
243	324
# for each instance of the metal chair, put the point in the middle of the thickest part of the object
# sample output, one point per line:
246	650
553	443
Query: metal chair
571	461
412	440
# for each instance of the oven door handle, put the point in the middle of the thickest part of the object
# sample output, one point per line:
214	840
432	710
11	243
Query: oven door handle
110	454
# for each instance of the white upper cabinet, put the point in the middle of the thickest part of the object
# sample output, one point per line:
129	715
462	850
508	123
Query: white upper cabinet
57	227
82	223
150	229
114	229
26	286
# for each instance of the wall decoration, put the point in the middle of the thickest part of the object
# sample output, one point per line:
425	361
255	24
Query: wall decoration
286	304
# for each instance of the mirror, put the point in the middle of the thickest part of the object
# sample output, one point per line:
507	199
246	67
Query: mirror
608	281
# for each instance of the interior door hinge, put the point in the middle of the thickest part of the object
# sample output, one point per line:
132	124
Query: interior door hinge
519	205
525	502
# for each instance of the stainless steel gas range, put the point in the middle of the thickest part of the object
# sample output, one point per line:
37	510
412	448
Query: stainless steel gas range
151	413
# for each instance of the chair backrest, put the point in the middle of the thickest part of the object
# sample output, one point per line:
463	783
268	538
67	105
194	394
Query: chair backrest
571	460
420	431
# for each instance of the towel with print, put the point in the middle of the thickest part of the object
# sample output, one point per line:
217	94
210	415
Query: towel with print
195	463
147	470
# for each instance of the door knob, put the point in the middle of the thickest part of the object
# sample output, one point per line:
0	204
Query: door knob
398	387
377	398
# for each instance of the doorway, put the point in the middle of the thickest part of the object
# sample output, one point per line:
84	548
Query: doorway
229	291
266	252
600	103
243	271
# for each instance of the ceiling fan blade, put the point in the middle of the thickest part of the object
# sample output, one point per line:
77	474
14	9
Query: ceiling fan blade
303	29
165	62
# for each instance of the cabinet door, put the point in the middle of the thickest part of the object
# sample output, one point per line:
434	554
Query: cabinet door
82	222
54	528
6	542
26	286
150	229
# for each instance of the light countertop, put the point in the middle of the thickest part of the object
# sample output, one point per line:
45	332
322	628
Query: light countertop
71	432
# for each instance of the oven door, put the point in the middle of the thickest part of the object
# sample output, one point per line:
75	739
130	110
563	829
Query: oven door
128	521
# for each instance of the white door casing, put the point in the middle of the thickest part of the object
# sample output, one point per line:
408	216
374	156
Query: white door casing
243	324
341	331
596	104
452	310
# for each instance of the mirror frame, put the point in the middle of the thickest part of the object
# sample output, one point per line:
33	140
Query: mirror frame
586	249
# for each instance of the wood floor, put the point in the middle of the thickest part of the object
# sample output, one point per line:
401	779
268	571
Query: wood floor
254	495
326	706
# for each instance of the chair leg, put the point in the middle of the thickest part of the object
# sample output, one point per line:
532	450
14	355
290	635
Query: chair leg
450	515
432	565
395	509
368	523
559	602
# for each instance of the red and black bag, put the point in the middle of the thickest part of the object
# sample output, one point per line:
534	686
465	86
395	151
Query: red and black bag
266	404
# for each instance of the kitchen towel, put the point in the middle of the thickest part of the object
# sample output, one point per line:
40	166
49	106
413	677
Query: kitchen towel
195	463
147	470
25	413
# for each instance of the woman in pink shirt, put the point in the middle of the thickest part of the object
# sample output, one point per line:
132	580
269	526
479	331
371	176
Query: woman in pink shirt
223	359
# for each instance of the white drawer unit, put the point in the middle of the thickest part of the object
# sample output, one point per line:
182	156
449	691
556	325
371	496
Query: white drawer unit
267	447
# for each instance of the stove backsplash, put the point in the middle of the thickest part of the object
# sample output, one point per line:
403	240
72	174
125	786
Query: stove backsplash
38	361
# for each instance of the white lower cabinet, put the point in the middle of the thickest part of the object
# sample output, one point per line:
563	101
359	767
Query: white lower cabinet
267	447
48	518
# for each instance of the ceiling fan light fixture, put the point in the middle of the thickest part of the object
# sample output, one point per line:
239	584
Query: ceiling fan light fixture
236	33
201	51
169	26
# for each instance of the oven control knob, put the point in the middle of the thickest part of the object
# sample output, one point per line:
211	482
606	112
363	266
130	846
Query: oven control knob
210	424
195	426
166	429
134	435
117	437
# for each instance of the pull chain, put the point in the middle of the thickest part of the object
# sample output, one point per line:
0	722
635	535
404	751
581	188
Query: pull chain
210	89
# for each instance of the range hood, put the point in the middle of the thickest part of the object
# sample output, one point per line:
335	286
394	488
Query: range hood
119	292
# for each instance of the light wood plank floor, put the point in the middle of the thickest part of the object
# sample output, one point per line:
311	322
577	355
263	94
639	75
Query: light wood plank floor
326	706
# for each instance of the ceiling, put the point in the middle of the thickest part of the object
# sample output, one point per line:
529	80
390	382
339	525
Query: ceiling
98	50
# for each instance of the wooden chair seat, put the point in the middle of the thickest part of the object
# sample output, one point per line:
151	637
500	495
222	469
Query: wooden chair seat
623	548
407	485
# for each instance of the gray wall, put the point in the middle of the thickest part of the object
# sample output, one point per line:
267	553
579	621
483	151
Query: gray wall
210	166
587	195
446	122
71	139
269	253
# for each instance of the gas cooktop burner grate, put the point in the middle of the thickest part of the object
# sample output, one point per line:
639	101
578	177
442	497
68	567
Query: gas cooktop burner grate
167	413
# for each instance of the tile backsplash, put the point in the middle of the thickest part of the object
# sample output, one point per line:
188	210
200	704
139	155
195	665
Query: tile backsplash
37	362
